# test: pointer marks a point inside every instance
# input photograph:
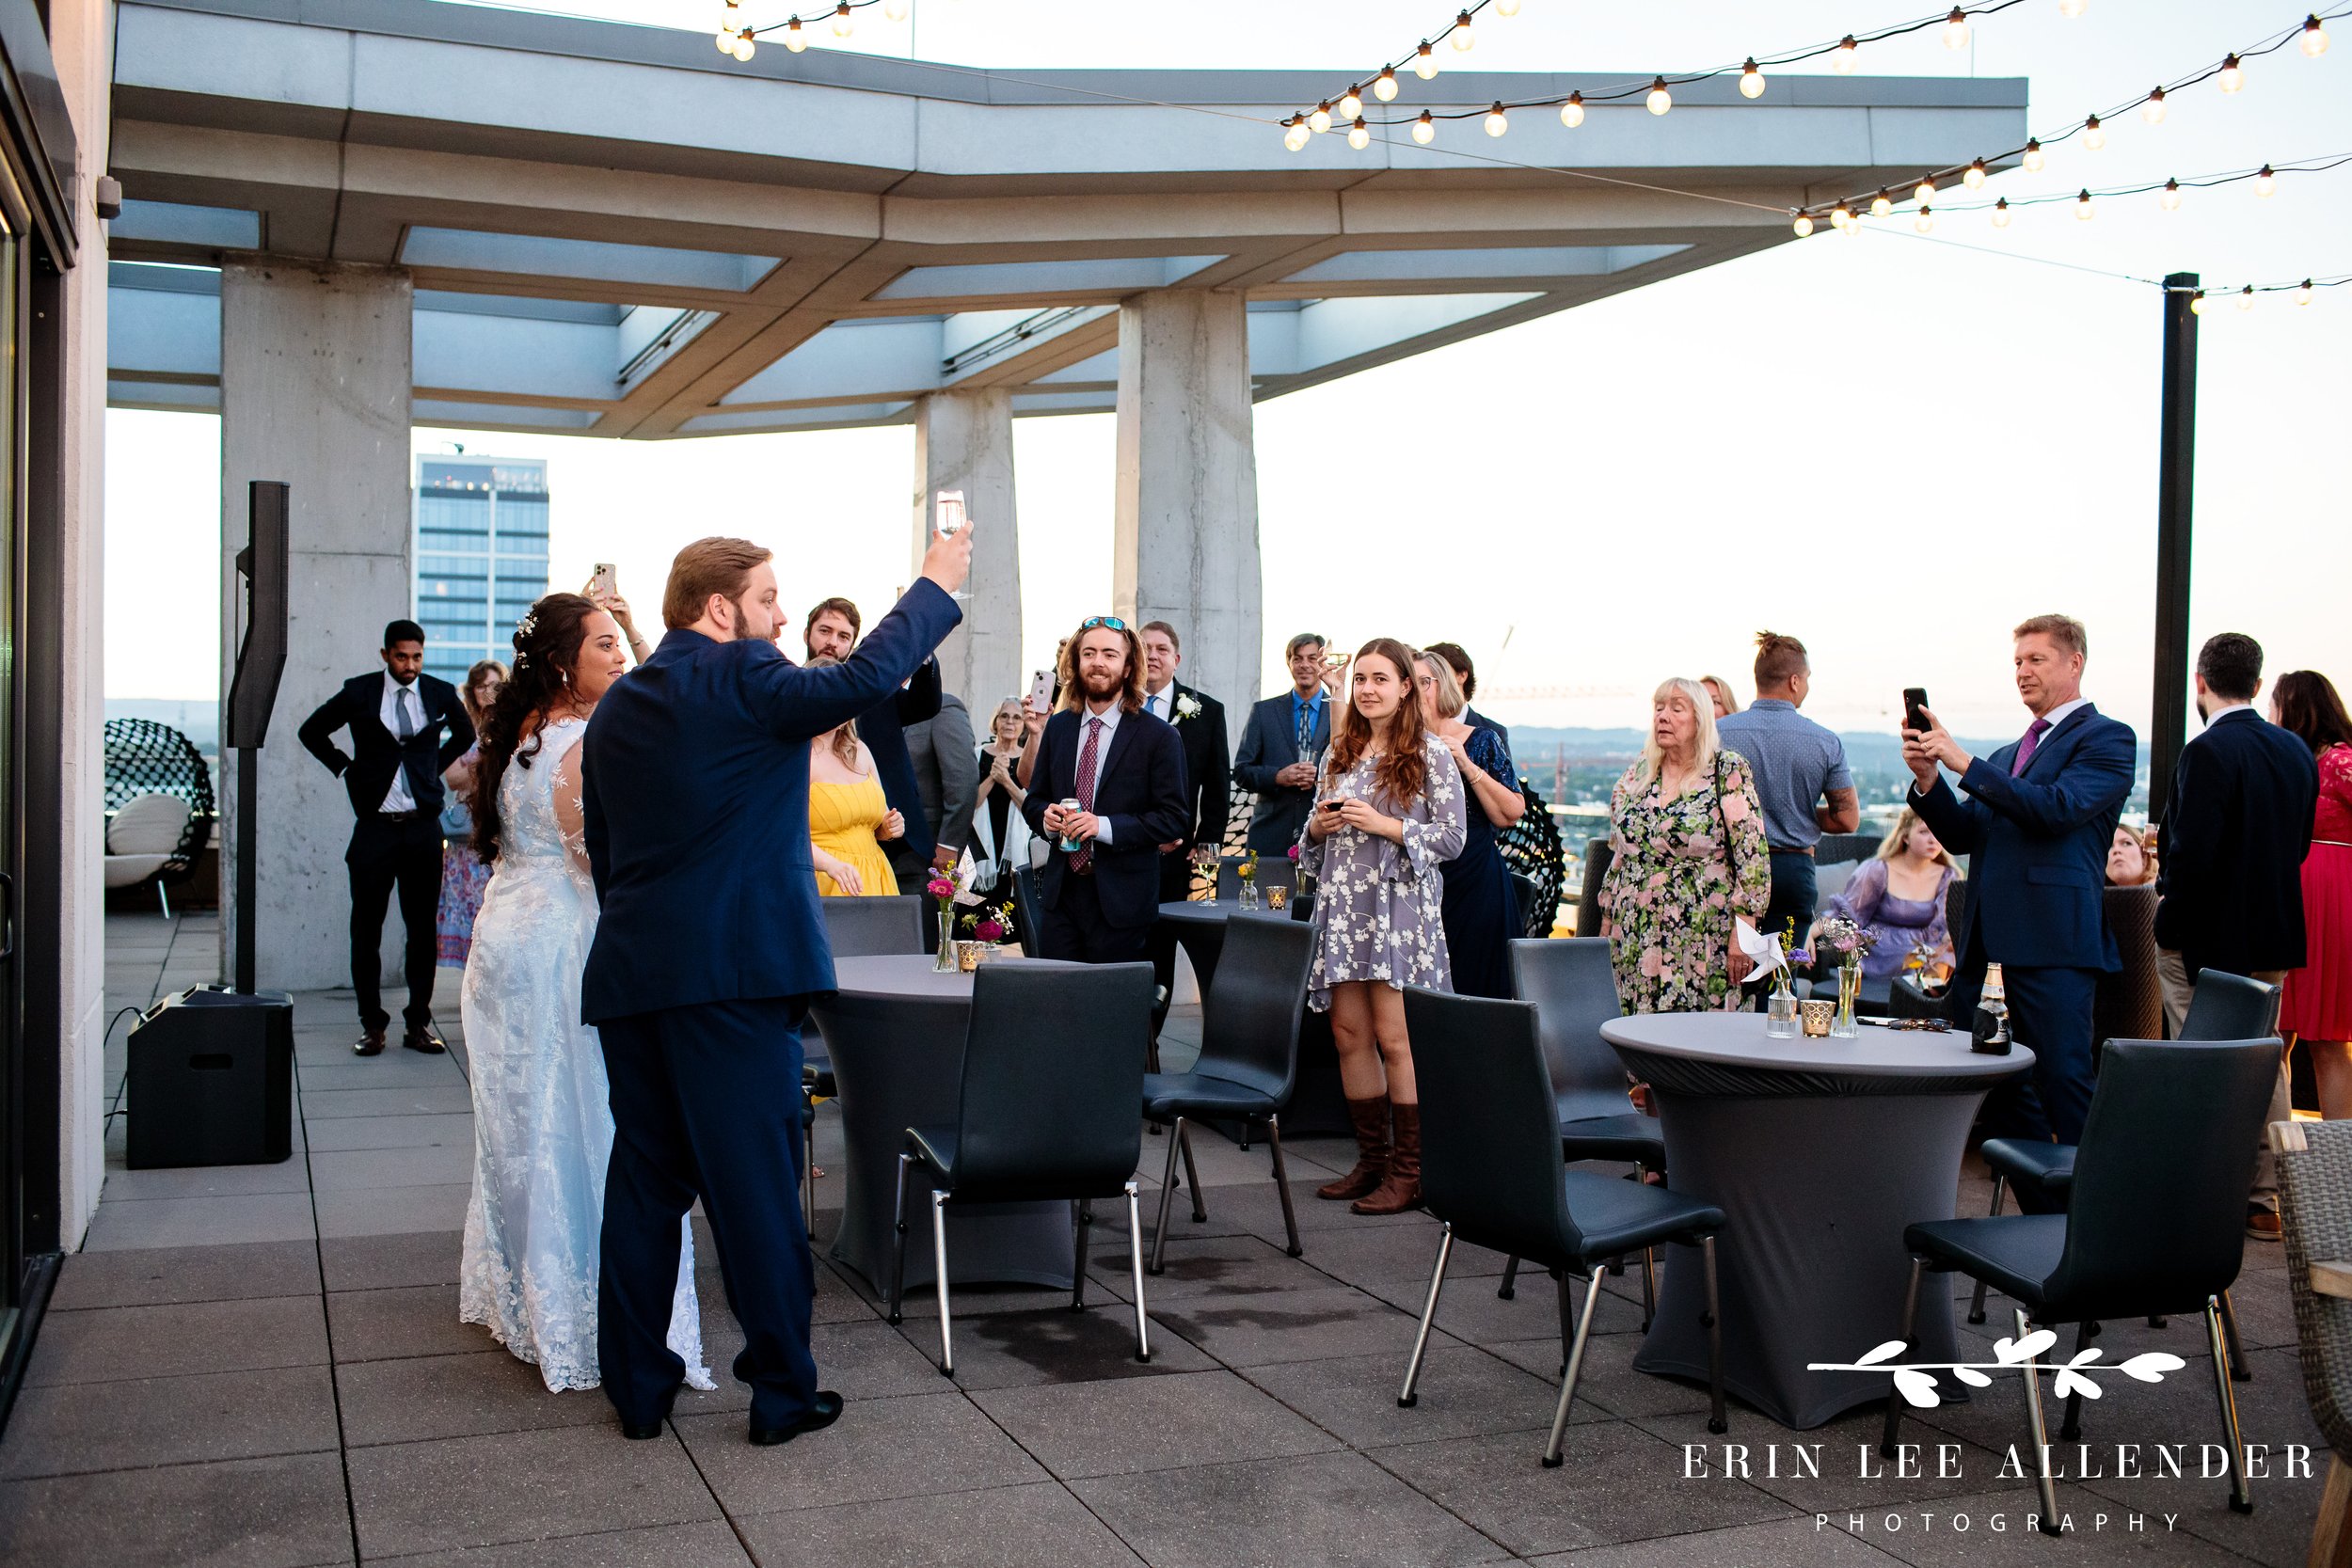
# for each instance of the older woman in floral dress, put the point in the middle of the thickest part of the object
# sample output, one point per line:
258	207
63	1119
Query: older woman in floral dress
1389	815
1689	857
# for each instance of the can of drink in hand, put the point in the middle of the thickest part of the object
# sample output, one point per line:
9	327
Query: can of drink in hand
1069	844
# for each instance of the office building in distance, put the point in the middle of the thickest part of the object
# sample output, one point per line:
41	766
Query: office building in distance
481	553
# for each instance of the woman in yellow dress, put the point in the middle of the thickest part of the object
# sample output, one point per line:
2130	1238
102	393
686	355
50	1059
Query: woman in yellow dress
848	816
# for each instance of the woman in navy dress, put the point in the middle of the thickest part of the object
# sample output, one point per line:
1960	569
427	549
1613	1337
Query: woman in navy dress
1482	912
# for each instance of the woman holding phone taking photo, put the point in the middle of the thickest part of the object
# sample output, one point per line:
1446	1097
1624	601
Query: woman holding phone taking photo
1389	814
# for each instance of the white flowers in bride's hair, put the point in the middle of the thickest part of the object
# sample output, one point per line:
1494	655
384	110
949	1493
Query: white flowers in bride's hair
1187	706
529	624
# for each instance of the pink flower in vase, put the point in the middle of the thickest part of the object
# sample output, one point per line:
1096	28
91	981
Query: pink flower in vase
987	930
940	887
1294	851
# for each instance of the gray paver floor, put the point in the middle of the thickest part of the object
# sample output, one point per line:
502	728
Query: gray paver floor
261	1367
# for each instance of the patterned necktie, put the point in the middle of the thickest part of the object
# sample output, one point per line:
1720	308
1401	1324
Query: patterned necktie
406	725
1306	729
1090	757
2027	747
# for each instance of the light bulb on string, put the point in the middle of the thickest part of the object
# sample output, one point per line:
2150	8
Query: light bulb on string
1924	221
2265	181
1572	112
1424	129
2303	294
1751	80
2170	199
1841	59
2152	110
2073	8
2245	298
1804	226
843	23
1506	8
2000	212
2233	74
1882	203
1660	100
1320	121
2094	134
2034	159
2314	40
1426	61
1463	40
1956	29
1974	179
726	41
1295	134
2084	211
1359	136
1497	122
795	36
2196	303
743	46
1384	85
1924	192
1841	216
1350	106
895	9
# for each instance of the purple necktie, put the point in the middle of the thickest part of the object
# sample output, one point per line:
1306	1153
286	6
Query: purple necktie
1089	756
2027	747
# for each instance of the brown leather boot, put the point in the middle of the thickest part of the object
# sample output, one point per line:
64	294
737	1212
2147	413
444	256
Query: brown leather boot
1401	1189
1371	1117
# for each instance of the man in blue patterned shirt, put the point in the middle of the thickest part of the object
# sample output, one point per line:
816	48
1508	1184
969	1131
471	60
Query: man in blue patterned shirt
1802	779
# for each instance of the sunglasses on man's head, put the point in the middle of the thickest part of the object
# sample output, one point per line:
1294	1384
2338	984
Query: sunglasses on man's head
1111	621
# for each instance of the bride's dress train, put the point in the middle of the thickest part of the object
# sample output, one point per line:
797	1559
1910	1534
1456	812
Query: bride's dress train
543	1121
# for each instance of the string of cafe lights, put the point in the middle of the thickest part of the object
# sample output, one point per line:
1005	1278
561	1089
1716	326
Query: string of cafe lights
1657	93
736	36
2169	194
2228	73
2202	301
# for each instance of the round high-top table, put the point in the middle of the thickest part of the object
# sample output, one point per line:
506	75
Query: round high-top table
1317	1104
1818	1152
895	1026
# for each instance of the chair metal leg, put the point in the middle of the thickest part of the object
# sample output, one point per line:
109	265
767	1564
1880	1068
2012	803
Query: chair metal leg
1976	1302
2072	1428
1192	1175
1510	1287
939	1266
2240	1500
1715	1421
1167	1196
1405	1398
2040	1430
1079	1219
1283	1183
1576	1365
2239	1370
163	898
1135	1263
1911	1319
1649	1286
898	1248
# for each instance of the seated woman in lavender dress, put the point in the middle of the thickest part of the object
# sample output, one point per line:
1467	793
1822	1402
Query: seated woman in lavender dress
1389	815
1899	898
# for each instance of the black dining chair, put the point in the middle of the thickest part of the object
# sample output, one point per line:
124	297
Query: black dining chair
1028	909
1249	1061
1051	1078
2224	1007
1491	1173
1575	992
854	928
2155	1220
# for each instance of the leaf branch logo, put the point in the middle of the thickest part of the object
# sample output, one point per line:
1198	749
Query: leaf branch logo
1915	1380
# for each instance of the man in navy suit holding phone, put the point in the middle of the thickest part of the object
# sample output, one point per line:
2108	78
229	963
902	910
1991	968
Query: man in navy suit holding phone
709	944
1125	771
2038	820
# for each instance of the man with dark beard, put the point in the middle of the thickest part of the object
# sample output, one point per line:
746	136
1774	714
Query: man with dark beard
1108	790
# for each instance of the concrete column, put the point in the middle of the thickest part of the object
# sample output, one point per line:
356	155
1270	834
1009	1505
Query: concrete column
1186	545
964	441
314	382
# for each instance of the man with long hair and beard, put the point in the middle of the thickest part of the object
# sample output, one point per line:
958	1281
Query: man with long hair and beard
1108	790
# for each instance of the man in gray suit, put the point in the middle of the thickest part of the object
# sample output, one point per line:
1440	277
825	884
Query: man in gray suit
948	777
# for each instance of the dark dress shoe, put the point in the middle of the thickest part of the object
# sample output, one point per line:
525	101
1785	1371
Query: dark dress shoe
424	1037
368	1044
819	1416
640	1433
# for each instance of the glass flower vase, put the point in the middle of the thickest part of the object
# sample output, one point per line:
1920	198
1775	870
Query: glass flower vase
948	962
1780	1007
1849	991
1248	894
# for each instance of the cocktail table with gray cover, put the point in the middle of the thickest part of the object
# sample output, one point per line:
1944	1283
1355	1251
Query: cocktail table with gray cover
895	1026
1818	1152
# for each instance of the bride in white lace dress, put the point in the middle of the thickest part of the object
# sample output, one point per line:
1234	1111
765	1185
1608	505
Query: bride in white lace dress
543	1121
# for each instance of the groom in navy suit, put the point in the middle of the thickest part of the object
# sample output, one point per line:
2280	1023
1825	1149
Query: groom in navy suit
2038	817
708	947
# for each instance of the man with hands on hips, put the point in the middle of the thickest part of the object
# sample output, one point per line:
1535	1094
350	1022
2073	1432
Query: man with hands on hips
2038	820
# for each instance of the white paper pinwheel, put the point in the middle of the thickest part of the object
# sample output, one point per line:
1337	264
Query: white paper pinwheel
1761	947
964	874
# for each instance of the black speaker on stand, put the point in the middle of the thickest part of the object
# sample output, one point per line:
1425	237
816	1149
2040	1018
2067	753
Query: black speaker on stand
211	1080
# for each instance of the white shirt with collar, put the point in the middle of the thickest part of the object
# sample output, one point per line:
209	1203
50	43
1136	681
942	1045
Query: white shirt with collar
398	798
1161	704
1110	727
2061	713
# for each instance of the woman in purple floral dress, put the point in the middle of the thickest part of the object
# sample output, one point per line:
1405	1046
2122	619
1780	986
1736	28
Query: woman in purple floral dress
1691	856
1389	815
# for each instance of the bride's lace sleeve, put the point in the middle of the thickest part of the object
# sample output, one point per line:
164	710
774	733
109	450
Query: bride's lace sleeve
570	819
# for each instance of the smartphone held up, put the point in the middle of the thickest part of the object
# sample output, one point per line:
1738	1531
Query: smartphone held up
1916	708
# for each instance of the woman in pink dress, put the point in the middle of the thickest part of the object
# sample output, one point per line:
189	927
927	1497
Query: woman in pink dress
2317	1008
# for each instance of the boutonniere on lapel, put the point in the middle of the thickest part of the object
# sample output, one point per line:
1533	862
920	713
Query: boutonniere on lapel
1187	707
